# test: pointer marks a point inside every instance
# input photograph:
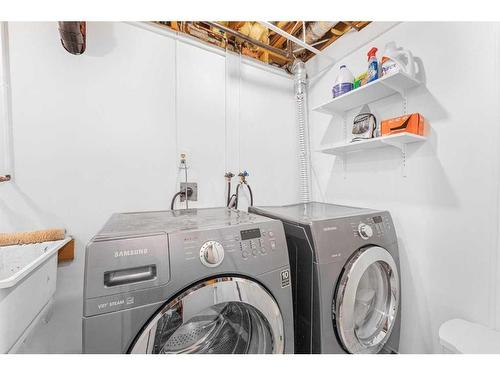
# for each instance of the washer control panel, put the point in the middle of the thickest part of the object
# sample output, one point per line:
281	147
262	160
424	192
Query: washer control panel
371	226
258	245
211	253
216	248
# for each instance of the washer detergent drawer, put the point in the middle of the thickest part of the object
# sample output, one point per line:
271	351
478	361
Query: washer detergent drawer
126	264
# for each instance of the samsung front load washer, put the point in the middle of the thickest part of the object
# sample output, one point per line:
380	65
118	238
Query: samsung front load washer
188	281
345	277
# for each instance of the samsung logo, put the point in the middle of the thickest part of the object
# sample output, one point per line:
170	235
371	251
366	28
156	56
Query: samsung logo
328	229
126	253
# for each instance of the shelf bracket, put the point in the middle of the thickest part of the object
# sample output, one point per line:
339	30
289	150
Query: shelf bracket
396	88
402	94
344	155
405	102
393	143
402	147
344	164
403	160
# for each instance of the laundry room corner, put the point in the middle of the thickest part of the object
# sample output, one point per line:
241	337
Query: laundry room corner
448	182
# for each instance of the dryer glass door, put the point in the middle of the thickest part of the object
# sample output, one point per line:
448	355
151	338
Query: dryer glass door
221	316
367	300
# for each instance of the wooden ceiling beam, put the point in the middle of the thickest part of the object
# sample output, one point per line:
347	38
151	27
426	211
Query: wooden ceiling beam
281	40
174	25
352	24
276	36
236	24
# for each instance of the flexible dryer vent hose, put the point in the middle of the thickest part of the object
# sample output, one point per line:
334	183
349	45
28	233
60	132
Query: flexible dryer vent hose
21	238
300	79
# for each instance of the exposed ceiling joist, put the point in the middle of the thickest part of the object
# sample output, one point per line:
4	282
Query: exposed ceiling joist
277	43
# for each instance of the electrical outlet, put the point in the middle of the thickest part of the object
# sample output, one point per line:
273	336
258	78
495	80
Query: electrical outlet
192	185
183	161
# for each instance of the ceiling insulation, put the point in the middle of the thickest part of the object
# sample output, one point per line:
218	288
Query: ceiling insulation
252	39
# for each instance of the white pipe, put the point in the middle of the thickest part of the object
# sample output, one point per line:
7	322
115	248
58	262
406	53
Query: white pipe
312	45
6	104
494	310
290	37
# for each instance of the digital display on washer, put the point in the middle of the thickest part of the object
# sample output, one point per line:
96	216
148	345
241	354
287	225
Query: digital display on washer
248	234
377	219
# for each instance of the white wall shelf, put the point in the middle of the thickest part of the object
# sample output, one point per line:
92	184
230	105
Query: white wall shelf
395	140
373	91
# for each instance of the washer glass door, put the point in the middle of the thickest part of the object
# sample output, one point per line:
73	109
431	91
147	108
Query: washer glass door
367	301
221	316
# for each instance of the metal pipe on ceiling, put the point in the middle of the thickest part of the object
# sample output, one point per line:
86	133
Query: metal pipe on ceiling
290	37
258	43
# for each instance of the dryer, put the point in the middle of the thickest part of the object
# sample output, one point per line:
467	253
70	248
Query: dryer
345	277
188	281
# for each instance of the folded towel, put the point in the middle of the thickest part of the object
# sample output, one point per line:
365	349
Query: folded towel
31	237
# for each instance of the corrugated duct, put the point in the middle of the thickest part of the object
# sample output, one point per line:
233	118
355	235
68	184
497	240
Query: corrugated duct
300	79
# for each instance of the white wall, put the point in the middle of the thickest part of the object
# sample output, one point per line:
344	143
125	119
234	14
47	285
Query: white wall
96	134
5	107
446	209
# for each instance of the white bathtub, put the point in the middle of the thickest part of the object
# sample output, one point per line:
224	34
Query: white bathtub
28	275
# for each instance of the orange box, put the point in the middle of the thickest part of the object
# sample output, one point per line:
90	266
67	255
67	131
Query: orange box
414	123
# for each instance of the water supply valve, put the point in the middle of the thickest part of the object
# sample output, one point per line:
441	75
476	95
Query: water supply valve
243	176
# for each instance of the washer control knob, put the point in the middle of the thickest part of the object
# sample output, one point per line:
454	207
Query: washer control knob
365	231
211	253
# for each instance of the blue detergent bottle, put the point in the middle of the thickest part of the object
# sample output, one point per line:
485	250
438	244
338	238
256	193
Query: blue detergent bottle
372	73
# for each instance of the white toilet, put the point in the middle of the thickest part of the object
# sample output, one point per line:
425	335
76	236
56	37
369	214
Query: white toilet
461	336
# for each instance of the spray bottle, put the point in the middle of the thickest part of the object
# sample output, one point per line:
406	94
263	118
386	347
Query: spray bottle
372	73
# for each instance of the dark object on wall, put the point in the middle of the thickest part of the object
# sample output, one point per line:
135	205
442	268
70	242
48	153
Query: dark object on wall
73	36
5	178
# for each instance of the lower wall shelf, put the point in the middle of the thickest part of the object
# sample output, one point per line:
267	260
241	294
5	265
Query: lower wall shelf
395	140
